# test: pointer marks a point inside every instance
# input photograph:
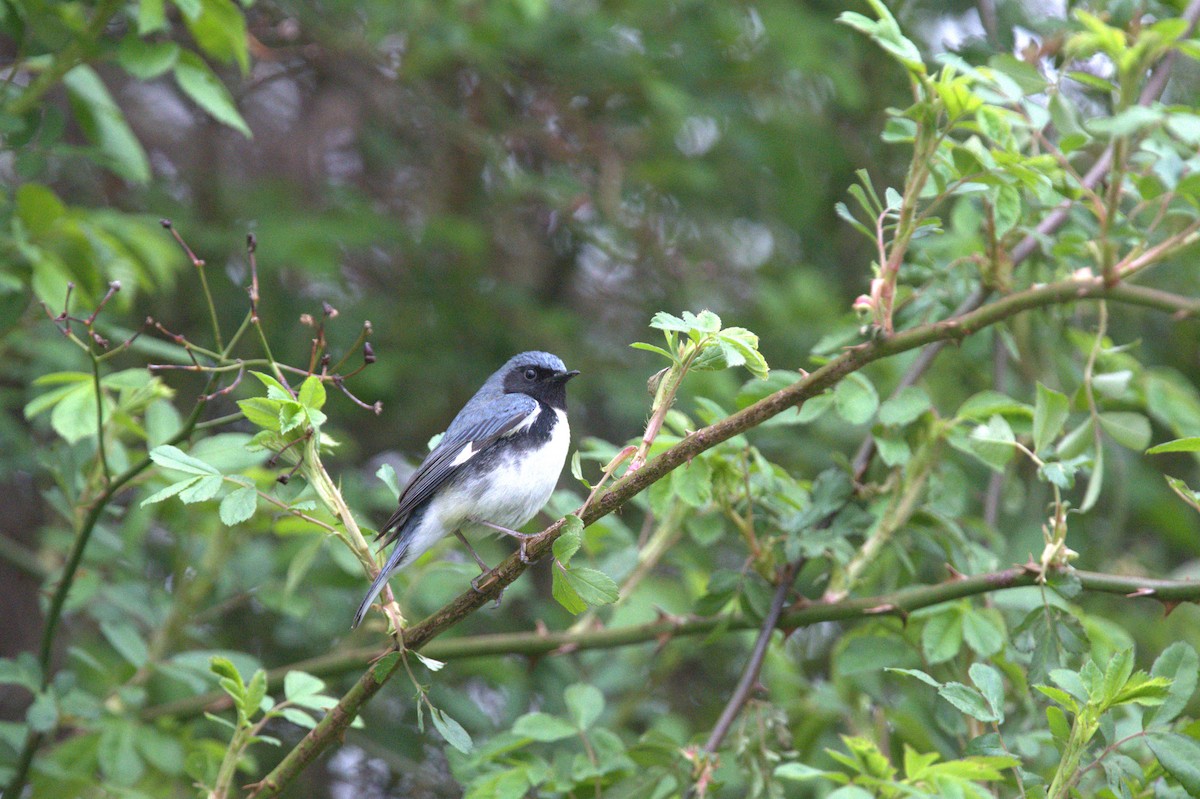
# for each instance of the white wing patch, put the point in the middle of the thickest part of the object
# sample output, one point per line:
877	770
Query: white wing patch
464	455
527	422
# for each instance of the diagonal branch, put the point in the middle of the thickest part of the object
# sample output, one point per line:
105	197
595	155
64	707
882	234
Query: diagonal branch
956	328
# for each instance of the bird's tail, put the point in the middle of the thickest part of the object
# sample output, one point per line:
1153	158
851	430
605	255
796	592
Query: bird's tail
393	565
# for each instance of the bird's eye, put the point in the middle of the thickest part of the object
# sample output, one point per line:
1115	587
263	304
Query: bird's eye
530	373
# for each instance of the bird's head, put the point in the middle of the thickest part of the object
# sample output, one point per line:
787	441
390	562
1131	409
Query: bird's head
540	375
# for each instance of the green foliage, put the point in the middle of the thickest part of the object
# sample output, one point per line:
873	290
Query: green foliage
577	167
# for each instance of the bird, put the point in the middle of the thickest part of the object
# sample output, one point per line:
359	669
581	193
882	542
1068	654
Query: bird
495	466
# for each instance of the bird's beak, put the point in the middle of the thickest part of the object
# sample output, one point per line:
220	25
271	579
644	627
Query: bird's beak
563	377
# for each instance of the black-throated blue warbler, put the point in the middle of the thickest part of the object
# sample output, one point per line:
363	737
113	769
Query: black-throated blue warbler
495	467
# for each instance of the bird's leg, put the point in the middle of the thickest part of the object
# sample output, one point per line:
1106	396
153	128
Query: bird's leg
522	537
483	567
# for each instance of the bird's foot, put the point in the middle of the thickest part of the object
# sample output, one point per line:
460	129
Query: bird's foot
475	583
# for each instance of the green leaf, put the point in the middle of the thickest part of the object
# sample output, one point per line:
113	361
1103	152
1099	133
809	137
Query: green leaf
993	443
564	593
202	490
983	630
543	727
1049	415
451	730
800	772
387	474
855	399
1179	663
1007	205
640	345
991	685
238	506
146	60
297	684
893	449
125	638
42	715
693	482
1060	696
220	30
169	491
102	122
920	675
256	690
262	412
1190	444
312	393
1056	720
171	457
152	16
814	407
666	321
1179	756
745	344
569	540
199	83
942	636
585	703
969	701
1130	430
593	587
117	755
987	404
905	407
298	717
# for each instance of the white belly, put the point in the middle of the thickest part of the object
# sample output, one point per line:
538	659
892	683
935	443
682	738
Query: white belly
516	490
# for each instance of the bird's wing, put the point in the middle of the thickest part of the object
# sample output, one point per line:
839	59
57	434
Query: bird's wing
461	443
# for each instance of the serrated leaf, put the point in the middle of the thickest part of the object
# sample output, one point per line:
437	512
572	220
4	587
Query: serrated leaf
592	586
640	345
666	321
312	393
1179	756
171	457
569	540
942	636
991	685
262	412
256	691
1180	664
298	717
920	675
969	701
169	491
202	490
565	594
238	506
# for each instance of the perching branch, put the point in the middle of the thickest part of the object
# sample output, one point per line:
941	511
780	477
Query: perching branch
956	328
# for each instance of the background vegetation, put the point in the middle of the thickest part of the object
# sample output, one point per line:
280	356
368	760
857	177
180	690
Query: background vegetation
945	574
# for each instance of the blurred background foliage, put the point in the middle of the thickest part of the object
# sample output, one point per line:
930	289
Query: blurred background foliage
477	179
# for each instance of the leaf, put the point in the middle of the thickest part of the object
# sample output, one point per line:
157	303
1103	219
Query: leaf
942	636
991	685
543	727
312	393
564	593
1130	430
1190	444
639	345
969	701
238	506
451	730
262	412
1179	756
146	60
855	399
593	587
202	490
168	492
983	630
171	457
102	122
151	17
666	321
125	638
905	407
42	715
814	407
297	684
298	717
220	30
585	703
256	691
117	755
693	482
1049	415
987	404
1179	663
920	675
993	443
569	540
199	83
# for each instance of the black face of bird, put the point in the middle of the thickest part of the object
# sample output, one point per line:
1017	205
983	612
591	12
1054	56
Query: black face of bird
543	384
